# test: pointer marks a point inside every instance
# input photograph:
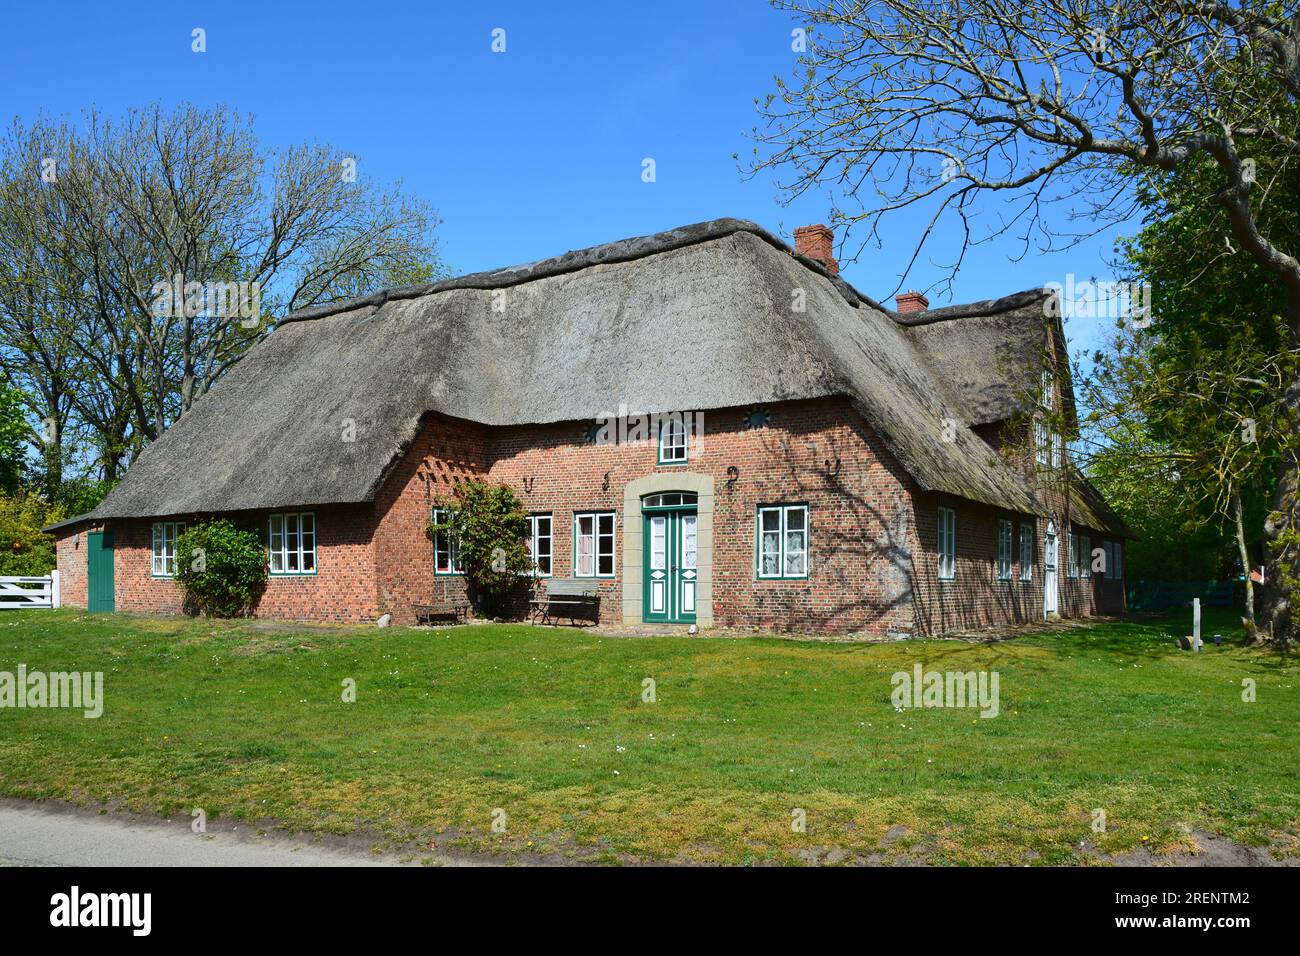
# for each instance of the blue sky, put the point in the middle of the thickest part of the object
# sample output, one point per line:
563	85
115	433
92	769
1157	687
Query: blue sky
524	154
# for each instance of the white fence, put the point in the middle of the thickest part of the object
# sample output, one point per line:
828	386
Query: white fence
24	593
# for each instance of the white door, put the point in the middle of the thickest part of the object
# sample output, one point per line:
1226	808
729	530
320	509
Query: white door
1049	571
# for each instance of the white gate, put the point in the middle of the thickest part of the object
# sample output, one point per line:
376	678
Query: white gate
25	593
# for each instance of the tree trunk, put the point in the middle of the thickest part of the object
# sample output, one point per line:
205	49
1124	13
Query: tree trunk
1245	562
1278	619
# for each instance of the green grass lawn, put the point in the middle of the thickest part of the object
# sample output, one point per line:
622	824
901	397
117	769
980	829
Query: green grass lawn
549	726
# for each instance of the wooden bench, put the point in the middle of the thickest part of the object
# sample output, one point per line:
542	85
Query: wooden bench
568	597
453	610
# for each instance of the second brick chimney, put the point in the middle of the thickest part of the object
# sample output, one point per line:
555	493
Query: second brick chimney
911	302
817	242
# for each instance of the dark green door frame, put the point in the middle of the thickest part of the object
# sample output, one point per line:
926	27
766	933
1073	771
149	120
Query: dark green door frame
670	579
99	571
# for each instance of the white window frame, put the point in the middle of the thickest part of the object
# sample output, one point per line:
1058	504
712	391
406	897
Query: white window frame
1027	533
1072	555
784	552
444	543
1085	556
599	537
1004	550
277	544
165	534
1049	447
674	440
535	537
947	544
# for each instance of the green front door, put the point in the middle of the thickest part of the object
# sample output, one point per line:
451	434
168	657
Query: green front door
671	563
99	571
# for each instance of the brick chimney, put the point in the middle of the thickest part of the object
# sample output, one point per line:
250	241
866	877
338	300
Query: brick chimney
817	242
911	302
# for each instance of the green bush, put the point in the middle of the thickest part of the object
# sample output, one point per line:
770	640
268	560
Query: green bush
490	524
25	551
221	569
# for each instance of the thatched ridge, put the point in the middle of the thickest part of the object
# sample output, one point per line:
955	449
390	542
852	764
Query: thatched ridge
701	317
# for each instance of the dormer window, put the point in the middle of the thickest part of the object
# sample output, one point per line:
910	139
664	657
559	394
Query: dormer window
672	441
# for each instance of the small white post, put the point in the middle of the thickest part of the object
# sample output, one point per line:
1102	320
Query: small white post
1196	624
56	594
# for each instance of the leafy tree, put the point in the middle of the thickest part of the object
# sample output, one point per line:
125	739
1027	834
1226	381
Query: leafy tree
76	496
1193	394
1197	439
25	550
221	569
1174	542
98	220
490	525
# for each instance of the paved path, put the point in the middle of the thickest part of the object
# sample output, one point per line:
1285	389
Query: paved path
34	836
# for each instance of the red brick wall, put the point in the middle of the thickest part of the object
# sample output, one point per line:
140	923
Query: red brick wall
872	561
857	511
134	586
70	554
341	590
444	451
975	598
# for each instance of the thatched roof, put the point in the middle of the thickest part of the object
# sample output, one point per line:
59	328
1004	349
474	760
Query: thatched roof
988	355
696	318
1089	508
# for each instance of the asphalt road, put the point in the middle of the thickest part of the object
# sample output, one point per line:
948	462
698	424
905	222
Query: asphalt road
34	836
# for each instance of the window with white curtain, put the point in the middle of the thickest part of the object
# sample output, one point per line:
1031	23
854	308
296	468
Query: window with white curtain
593	544
782	541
